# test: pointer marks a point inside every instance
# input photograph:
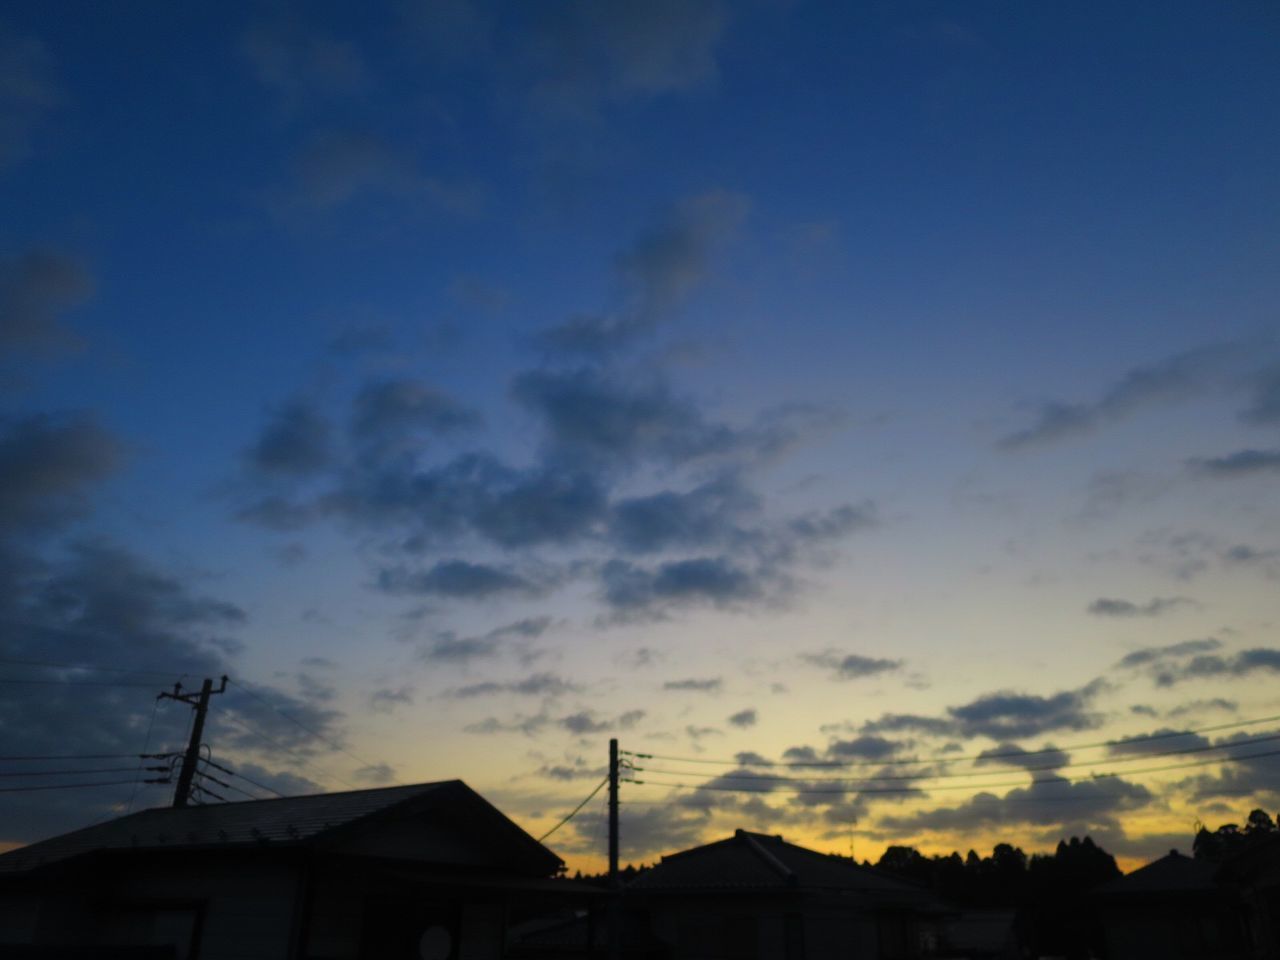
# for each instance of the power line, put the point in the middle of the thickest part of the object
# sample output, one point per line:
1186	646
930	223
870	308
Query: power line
232	786
969	786
74	683
79	756
146	745
1203	748
947	758
66	786
205	791
71	773
64	665
574	812
247	779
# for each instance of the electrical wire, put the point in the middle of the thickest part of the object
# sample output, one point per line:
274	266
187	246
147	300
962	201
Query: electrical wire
63	665
967	786
917	778
956	758
64	786
146	745
77	756
574	812
75	683
247	779
65	773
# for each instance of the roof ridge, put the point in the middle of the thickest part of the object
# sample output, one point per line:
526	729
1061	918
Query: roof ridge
771	860
323	793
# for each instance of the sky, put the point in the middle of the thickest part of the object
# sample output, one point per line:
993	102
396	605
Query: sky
871	411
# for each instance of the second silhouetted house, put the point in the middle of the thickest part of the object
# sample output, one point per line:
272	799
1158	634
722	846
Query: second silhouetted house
753	896
1196	909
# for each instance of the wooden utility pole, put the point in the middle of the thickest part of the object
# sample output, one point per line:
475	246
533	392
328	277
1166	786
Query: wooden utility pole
613	812
200	703
615	886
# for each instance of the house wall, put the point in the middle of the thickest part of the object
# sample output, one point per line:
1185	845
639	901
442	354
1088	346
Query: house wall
764	927
778	928
19	915
232	911
1173	931
351	917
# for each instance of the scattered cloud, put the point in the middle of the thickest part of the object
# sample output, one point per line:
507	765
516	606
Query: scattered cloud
1047	757
535	685
865	747
36	289
1242	463
1147	656
528	724
707	515
1264	405
300	64
1173	380
696	684
459	580
296	442
579	770
388	415
1251	772
911	723
1113	607
339	167
1007	715
1158	742
50	466
1092	802
28	90
636	592
378	774
656	274
589	56
448	647
387	699
1203	706
592	421
1205	666
745	718
851	666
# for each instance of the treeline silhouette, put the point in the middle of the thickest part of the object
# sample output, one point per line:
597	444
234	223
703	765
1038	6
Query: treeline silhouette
1048	893
1230	838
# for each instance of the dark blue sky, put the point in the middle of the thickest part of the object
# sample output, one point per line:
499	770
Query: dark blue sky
530	372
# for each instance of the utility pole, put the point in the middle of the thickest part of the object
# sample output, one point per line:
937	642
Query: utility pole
613	812
615	887
200	703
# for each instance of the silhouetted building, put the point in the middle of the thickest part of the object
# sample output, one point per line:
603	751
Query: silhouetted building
756	897
1180	908
425	871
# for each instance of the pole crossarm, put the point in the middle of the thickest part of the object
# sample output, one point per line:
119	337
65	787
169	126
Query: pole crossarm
191	758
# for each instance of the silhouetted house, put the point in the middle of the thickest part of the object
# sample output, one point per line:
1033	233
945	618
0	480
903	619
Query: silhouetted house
1175	908
977	934
1255	871
425	871
756	896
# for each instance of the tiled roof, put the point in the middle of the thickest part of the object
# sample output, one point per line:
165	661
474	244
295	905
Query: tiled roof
287	821
1172	873
757	861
